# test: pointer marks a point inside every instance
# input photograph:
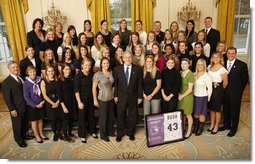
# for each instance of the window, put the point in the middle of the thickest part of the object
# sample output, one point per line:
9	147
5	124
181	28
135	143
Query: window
120	9
242	26
5	50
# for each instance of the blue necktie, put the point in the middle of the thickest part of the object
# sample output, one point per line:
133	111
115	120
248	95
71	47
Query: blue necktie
127	74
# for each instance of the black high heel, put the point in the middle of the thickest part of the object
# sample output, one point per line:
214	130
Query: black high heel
84	141
188	136
210	130
41	141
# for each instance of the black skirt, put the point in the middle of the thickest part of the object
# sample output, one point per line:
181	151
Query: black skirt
35	114
217	97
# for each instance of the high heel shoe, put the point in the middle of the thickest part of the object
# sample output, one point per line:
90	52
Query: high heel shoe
188	136
45	138
94	136
83	140
210	130
41	141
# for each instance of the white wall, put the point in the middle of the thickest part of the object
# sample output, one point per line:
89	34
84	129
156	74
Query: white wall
166	11
75	10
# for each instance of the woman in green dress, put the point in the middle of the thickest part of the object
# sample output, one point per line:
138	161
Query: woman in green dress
186	94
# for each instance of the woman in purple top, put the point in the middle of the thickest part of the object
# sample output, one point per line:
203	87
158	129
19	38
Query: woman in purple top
33	96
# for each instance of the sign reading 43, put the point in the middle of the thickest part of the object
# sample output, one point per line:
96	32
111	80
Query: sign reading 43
173	126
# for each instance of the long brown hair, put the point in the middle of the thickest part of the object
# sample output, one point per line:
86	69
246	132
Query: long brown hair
46	77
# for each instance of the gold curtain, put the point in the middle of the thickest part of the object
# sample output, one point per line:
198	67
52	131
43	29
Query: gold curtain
100	10
143	10
25	6
226	20
14	23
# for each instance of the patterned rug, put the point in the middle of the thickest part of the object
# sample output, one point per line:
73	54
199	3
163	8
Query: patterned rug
204	147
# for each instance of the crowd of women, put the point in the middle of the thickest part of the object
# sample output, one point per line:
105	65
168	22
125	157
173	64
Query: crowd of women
71	75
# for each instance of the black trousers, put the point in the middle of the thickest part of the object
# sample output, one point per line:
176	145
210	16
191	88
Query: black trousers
106	114
126	119
169	106
231	110
86	116
19	126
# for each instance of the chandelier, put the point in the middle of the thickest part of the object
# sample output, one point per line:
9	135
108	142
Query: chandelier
54	16
188	12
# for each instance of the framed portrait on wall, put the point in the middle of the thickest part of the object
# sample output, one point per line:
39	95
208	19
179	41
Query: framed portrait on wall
164	128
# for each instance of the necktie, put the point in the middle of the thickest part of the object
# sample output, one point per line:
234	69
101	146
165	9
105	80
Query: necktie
229	66
127	74
206	31
18	80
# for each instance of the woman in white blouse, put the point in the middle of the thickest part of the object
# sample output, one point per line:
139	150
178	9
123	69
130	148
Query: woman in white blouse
202	94
219	77
142	33
98	44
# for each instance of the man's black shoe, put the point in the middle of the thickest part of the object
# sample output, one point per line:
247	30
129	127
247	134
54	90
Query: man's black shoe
118	139
224	128
22	144
231	134
132	138
29	137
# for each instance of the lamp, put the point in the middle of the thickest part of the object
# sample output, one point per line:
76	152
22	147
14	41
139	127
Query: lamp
54	16
188	12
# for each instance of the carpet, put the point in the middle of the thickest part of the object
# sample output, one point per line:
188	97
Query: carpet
204	147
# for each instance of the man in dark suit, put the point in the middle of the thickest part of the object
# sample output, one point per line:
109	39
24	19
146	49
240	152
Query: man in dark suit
29	60
213	35
128	94
13	95
237	80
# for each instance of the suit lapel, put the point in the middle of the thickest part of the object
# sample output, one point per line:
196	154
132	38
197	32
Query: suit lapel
123	74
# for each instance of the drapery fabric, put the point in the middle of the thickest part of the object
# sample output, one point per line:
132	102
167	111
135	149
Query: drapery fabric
226	20
14	23
143	10
100	10
25	5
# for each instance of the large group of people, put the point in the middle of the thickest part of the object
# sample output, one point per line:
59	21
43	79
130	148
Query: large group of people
65	77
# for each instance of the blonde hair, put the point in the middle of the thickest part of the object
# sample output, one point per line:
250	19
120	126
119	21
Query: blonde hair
46	59
221	59
48	31
141	61
102	51
204	64
151	32
154	68
64	40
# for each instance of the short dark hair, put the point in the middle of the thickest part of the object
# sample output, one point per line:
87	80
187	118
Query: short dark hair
208	18
232	48
103	21
37	20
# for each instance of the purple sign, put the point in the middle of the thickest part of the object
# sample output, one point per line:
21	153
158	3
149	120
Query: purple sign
164	128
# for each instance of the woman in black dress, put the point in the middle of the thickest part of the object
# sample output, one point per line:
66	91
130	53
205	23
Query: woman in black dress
67	101
171	84
50	92
83	94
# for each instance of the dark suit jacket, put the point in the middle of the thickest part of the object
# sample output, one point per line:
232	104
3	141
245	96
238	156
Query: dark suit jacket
128	93
34	41
237	78
24	63
213	37
13	94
